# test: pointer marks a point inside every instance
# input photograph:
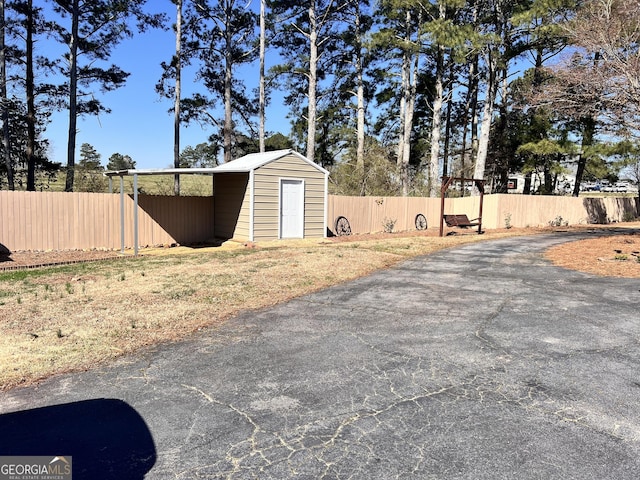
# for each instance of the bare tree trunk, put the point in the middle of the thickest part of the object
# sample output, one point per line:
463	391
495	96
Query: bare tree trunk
487	113
436	122
588	132
408	124
176	105
360	133
73	92
470	121
500	167
262	94
474	115
404	82
313	83
407	105
471	104
228	77
434	160
447	128
537	80
6	141
31	108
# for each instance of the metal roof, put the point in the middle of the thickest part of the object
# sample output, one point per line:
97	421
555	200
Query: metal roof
253	161
244	164
159	171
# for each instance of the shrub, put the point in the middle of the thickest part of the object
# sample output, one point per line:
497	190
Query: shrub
558	222
388	224
507	220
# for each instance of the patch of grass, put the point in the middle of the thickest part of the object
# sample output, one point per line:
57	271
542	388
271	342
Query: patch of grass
75	269
178	294
621	257
181	293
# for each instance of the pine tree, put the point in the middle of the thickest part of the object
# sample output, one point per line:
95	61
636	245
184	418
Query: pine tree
220	37
91	29
306	35
118	161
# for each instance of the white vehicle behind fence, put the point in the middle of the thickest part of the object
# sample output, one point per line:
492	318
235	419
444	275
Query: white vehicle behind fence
605	186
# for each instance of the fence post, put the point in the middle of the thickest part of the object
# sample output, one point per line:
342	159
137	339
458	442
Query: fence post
135	214
121	213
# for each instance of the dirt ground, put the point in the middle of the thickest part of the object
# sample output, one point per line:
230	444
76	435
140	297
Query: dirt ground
615	255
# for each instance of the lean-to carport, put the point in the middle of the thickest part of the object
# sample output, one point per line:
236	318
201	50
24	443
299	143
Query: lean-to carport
258	197
135	173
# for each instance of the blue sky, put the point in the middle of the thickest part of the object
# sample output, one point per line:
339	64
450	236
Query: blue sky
140	124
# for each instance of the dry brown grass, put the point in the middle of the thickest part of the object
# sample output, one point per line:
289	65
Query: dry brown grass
71	318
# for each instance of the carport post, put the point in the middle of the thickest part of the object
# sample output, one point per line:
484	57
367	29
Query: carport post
135	214
121	214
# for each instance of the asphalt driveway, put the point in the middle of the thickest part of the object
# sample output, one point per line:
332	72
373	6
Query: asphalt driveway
483	362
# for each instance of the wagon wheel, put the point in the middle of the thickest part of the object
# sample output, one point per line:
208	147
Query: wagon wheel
342	226
421	222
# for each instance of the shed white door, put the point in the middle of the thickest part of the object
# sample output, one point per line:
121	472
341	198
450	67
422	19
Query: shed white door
291	208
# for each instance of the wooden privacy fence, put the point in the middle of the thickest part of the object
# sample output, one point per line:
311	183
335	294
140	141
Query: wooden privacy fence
75	221
371	214
70	221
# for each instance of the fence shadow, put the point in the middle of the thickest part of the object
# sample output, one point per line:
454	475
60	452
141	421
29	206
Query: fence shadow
106	438
630	206
596	210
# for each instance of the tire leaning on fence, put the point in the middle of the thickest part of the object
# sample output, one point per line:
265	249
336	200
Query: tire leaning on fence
421	222
342	226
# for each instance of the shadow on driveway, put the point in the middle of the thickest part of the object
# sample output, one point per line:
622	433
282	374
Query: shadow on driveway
106	438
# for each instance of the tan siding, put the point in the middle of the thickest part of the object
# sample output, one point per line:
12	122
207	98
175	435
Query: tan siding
266	201
242	231
267	194
291	166
232	207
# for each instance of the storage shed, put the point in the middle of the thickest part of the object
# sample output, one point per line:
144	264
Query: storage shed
269	196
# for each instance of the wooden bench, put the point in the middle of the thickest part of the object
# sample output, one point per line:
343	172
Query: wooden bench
462	221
